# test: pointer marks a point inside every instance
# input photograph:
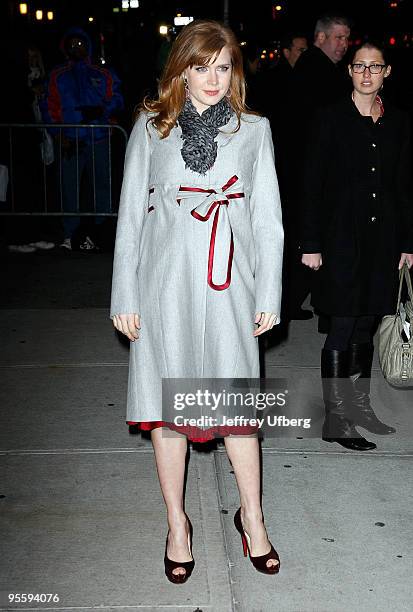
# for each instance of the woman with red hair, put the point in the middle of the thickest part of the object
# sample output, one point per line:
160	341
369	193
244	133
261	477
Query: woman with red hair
197	267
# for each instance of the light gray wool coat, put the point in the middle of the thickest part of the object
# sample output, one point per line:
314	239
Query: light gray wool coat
163	259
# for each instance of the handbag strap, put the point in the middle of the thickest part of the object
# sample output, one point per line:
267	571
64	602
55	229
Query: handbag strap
408	281
404	274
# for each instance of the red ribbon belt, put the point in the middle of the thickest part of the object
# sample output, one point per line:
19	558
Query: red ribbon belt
220	235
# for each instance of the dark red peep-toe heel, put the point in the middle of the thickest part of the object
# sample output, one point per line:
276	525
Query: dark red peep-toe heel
170	565
260	562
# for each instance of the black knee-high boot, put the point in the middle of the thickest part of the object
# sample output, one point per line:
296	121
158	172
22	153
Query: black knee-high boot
361	359
338	425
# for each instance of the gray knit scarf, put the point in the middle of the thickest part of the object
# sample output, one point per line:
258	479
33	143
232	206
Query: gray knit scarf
199	150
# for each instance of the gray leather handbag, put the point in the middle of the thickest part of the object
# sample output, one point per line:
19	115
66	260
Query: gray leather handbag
396	339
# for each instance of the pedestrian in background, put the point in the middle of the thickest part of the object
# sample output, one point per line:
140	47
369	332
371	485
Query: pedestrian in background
23	153
356	233
256	77
319	78
292	46
280	110
81	92
197	267
320	75
278	90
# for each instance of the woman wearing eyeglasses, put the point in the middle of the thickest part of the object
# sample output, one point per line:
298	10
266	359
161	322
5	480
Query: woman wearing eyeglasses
356	232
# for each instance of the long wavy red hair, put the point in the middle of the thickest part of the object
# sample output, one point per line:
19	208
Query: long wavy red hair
197	44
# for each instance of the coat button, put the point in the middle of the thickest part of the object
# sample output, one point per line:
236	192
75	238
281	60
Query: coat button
373	219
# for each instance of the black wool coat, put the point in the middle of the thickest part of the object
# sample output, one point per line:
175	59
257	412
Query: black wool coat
317	81
314	83
357	208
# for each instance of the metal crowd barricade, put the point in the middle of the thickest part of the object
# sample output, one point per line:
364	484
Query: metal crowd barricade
52	167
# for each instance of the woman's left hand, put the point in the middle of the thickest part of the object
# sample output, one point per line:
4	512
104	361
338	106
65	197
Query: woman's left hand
406	257
265	322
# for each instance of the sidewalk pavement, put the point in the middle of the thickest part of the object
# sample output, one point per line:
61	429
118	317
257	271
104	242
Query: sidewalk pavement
82	517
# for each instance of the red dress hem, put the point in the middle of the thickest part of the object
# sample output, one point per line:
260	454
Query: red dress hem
196	434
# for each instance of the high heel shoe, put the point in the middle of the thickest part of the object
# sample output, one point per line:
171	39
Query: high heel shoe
170	565
260	562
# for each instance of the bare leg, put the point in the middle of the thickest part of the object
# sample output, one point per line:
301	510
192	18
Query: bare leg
170	454
244	454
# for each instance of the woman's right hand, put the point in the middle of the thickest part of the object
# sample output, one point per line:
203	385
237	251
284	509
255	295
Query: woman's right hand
128	324
312	260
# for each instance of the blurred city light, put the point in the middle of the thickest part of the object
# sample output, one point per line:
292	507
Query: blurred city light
163	29
181	21
278	7
50	15
125	4
91	19
23	8
116	9
133	3
39	15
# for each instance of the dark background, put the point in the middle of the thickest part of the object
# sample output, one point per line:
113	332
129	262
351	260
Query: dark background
130	41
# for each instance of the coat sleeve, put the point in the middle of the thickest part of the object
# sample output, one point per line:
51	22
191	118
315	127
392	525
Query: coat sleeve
114	102
405	190
53	109
133	202
267	228
311	199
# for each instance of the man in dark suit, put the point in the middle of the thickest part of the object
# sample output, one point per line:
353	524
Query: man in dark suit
278	98
292	46
318	79
320	75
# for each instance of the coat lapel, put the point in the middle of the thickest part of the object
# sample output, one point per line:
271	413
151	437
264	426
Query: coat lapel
225	135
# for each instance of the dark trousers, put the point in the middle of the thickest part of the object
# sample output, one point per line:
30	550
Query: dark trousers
94	160
350	330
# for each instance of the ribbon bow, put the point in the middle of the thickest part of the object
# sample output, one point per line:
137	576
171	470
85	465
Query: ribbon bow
221	231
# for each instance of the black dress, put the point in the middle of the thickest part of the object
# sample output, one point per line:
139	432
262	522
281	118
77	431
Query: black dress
357	208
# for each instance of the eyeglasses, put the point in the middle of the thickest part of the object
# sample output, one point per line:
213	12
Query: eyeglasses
373	68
